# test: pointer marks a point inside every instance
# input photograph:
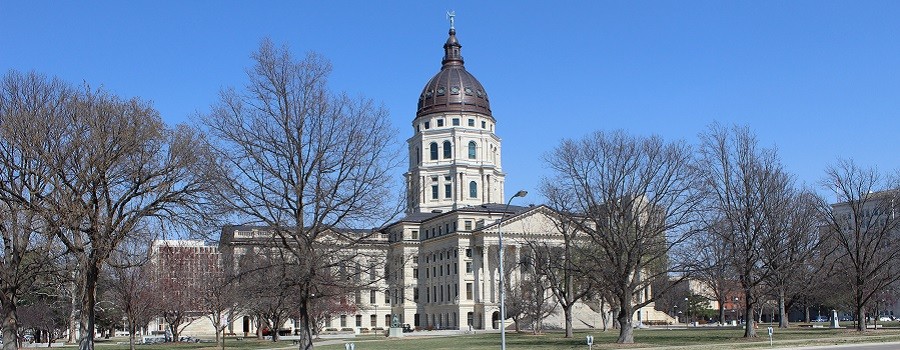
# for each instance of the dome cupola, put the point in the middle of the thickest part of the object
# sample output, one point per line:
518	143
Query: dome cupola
453	89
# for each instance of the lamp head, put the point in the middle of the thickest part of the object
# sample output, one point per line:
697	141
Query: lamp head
521	193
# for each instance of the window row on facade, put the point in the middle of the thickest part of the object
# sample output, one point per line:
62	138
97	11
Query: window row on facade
440	123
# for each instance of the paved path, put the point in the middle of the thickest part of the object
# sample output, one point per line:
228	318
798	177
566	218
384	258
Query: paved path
864	346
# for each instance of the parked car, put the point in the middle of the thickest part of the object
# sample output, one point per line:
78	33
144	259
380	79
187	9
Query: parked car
845	318
821	319
884	319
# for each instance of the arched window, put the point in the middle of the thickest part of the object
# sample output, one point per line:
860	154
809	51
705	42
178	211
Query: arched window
473	190
472	147
447	150
434	151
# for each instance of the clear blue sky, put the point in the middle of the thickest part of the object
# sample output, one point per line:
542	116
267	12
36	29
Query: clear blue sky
818	79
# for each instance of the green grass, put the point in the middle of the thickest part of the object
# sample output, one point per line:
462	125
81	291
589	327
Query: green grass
699	338
693	338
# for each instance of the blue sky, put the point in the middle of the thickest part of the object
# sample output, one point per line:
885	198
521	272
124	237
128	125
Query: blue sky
818	79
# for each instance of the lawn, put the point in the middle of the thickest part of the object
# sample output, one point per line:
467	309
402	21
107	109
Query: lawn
699	338
693	338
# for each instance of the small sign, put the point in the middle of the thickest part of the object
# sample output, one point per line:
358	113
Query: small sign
349	346
771	331
590	340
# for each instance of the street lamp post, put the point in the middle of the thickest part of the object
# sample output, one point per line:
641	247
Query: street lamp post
500	261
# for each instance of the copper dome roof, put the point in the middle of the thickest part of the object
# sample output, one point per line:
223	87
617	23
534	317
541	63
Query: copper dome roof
453	89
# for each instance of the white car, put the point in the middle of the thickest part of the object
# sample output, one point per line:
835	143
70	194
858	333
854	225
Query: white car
884	319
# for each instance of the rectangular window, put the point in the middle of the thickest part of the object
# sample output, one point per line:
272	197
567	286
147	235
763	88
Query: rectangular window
483	124
468	267
343	320
427	126
372	297
359	320
469	250
416	294
471	123
455	121
427	274
415	273
415	235
373	321
448	191
387	297
434	192
468	291
468	226
455	268
440	122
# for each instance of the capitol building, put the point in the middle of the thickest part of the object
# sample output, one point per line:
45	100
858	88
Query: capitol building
442	269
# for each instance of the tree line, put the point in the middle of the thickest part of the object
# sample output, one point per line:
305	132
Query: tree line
637	212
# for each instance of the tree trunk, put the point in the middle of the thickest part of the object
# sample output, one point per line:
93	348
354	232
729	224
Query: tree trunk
219	335
88	301
567	312
782	318
860	324
749	322
259	327
306	326
626	331
722	312
806	313
132	330
10	323
73	314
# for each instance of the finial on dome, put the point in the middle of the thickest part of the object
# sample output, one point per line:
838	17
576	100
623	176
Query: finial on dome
452	47
450	15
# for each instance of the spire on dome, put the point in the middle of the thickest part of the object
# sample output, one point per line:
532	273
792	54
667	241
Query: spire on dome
452	47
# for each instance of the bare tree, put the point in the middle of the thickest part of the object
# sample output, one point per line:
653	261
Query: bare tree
560	267
29	103
306	163
747	186
114	169
129	286
220	300
537	304
712	266
635	198
266	280
790	247
863	227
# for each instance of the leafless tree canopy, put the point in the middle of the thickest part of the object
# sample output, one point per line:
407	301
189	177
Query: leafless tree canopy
304	162
862	228
95	169
26	102
636	198
747	189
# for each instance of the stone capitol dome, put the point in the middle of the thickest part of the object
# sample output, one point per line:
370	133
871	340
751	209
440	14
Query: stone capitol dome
453	89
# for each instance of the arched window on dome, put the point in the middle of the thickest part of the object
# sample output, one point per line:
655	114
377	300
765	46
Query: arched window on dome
473	189
472	147
434	151
447	150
